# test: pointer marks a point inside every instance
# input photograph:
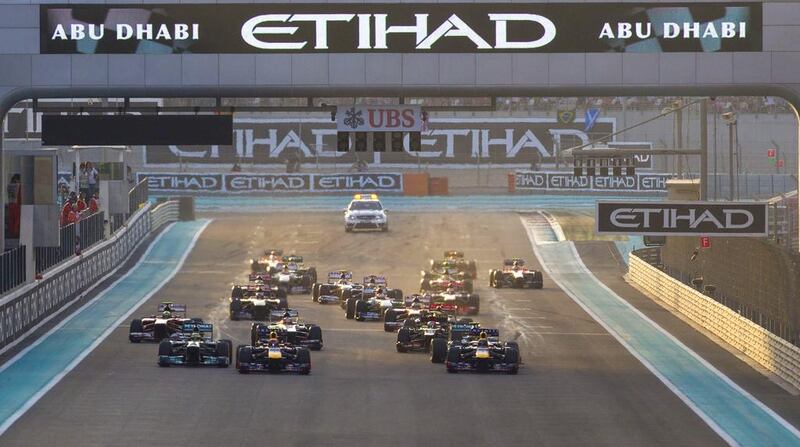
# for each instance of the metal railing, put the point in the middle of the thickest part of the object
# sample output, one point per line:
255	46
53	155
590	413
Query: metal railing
12	268
77	236
138	195
783	220
47	257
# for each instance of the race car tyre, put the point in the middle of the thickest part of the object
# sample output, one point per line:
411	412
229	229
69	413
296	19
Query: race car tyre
453	356
408	323
164	349
512	357
385	228
539	280
254	334
237	292
403	339
315	292
235	308
306	282
361	306
472	268
350	308
244	355
304	356
312	273
464	320
315	333
224	350
424	285
475	301
438	350
395	294
238	348
512	344
347	229
468	286
255	267
389	317
197	320
136	326
491	278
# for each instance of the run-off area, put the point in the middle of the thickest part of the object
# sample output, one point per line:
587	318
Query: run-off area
578	386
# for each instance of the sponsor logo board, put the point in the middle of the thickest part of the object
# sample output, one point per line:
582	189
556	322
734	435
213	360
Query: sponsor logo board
683	218
565	181
246	183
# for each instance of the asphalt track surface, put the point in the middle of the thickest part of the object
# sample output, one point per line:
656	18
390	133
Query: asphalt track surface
579	386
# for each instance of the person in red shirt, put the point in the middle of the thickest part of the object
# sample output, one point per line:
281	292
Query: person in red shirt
93	205
81	203
72	217
67	209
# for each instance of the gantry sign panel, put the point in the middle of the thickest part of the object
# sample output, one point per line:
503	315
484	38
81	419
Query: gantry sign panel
401	28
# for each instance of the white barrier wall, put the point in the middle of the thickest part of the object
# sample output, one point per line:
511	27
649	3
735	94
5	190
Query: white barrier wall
770	351
25	309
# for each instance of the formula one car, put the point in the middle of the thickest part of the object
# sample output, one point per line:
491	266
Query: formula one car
292	276
255	304
455	302
169	320
332	291
268	262
274	357
515	274
288	330
454	259
372	300
419	332
436	282
193	346
482	351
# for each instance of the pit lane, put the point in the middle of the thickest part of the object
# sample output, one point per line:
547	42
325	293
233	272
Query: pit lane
578	387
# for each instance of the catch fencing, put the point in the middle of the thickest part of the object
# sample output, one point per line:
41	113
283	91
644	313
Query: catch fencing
23	310
12	268
767	349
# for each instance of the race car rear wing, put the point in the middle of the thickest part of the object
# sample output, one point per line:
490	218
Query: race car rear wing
379	280
266	277
277	314
453	254
509	262
341	274
273	252
475	331
293	258
203	328
172	307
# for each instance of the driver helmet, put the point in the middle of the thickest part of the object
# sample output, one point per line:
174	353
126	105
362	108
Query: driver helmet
166	314
483	335
379	291
285	268
273	336
287	318
431	324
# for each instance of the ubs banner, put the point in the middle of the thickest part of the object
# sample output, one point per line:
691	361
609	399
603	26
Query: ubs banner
683	218
449	141
401	28
238	183
564	181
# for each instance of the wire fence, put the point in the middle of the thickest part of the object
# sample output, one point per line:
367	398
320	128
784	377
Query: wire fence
74	238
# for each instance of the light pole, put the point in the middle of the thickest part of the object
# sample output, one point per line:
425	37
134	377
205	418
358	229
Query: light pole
730	120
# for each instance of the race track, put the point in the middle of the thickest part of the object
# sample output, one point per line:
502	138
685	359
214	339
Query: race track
579	386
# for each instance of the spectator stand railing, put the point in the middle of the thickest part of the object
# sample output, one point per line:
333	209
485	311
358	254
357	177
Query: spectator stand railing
25	309
12	268
74	238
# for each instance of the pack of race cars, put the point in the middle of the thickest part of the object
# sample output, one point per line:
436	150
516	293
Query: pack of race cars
436	320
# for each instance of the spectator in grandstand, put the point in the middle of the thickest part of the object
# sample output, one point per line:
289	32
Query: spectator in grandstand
13	188
80	204
67	209
91	179
93	204
83	180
